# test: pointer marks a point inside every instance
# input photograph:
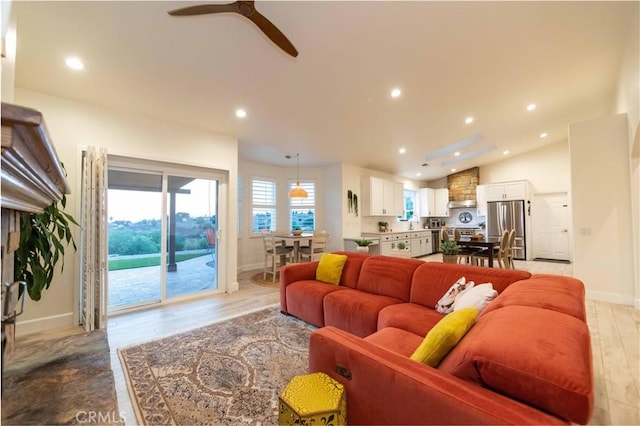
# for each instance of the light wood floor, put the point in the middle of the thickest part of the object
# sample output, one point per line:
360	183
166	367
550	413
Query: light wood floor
615	338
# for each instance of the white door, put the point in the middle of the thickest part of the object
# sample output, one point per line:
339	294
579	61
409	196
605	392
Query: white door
550	223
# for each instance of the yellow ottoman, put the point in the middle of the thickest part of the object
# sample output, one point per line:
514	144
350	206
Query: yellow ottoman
313	399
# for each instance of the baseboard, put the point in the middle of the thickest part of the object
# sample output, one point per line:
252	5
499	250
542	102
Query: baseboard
43	324
251	267
619	299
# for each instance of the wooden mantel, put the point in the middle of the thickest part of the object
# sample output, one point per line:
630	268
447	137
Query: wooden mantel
32	177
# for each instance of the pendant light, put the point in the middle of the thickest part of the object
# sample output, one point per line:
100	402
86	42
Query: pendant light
297	191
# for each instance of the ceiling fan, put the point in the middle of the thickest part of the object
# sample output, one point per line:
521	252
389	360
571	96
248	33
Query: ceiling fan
248	10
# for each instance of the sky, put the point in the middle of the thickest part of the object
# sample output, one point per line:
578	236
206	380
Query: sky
135	206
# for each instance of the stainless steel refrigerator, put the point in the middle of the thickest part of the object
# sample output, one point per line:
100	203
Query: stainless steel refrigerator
507	215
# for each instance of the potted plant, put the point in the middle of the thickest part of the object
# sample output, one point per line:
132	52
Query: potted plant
450	250
43	237
382	226
363	245
296	230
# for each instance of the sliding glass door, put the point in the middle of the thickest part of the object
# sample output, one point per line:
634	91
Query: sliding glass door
135	234
163	235
191	235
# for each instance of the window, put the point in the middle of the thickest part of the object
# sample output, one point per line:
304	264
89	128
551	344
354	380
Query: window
302	211
409	205
263	205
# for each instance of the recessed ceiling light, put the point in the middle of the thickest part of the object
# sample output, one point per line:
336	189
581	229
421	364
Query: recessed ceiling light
531	107
505	152
468	120
456	153
402	150
418	174
240	113
395	93
543	135
74	63
453	170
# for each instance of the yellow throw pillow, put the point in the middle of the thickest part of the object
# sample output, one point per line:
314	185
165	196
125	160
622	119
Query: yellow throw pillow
330	268
444	336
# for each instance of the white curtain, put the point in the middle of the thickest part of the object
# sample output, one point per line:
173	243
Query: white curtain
93	301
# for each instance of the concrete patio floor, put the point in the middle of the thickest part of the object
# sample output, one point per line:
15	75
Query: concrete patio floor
139	285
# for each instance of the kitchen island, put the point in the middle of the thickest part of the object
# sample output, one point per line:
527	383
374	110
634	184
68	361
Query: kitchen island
419	242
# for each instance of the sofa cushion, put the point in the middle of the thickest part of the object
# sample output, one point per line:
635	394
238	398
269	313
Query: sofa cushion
445	336
355	311
330	268
396	340
432	279
352	267
555	292
416	319
445	303
305	300
538	356
388	276
479	296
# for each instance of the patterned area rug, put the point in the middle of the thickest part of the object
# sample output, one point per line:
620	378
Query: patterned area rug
60	381
230	372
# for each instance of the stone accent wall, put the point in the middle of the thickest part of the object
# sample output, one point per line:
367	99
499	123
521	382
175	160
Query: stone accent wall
462	185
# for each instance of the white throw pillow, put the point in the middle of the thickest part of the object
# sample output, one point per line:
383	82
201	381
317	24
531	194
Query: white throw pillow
477	297
445	304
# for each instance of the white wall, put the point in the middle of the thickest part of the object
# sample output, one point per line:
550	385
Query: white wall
547	168
628	101
601	194
73	125
8	63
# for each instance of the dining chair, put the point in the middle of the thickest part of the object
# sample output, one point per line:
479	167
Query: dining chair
498	252
277	252
466	253
317	246
509	250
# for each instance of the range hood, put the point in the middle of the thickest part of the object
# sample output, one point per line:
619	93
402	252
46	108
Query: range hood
462	188
462	204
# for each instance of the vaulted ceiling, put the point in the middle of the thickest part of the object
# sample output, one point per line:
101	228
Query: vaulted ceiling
332	104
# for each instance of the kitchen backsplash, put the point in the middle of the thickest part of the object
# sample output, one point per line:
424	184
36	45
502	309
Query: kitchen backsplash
370	223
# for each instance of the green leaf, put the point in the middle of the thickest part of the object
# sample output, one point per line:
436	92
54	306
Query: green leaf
43	238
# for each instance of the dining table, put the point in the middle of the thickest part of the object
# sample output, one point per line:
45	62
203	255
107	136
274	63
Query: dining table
295	239
490	243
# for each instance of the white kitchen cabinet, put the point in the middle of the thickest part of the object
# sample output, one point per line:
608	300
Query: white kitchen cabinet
427	198
421	244
381	197
517	190
442	202
481	200
434	202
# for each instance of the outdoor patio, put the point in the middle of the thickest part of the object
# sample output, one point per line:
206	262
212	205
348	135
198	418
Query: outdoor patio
139	285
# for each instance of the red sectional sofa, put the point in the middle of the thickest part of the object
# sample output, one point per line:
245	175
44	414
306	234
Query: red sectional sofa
527	359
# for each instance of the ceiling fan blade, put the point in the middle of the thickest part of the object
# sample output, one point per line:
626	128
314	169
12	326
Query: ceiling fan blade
204	9
273	33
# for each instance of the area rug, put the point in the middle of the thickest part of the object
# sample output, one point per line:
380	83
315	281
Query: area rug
257	279
231	372
60	381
